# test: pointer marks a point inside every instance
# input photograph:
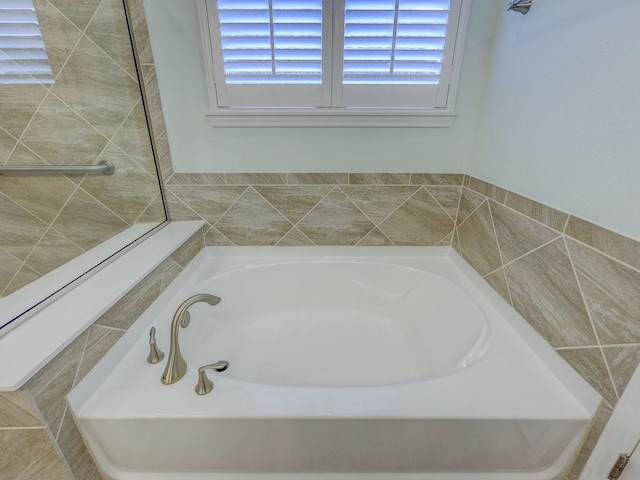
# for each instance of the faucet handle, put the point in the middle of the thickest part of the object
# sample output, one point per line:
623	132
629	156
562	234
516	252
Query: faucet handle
205	385
155	355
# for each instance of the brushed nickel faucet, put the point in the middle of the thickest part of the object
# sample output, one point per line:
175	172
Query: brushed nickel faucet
176	364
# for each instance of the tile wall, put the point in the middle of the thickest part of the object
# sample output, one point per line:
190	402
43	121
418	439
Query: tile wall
45	392
576	283
318	209
92	112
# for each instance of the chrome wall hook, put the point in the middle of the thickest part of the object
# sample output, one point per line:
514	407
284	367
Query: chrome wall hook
205	385
520	6
155	355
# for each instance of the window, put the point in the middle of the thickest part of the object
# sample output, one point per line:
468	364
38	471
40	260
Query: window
23	58
324	59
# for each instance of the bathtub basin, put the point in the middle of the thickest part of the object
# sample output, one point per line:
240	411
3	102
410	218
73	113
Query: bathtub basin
344	364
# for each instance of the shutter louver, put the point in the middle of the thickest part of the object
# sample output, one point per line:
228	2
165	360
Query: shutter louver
271	41
394	41
23	57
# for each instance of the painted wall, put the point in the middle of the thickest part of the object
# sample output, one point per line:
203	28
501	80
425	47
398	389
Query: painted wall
561	122
196	147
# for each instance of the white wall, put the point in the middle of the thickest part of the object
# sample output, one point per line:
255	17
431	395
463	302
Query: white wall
198	147
561	121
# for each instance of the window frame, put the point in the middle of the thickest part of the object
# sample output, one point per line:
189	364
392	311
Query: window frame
246	116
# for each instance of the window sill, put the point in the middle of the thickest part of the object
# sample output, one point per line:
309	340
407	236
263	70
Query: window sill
247	117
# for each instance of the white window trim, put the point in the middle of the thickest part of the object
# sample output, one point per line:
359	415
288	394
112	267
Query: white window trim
338	117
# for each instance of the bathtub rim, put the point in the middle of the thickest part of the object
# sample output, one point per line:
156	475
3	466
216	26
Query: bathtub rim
571	380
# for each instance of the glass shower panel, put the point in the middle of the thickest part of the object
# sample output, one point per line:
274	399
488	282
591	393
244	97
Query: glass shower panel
70	95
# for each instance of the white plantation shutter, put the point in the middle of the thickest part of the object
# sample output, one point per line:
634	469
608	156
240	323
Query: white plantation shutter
344	55
397	53
269	52
23	58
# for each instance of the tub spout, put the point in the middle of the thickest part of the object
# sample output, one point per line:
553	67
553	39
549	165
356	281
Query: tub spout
176	364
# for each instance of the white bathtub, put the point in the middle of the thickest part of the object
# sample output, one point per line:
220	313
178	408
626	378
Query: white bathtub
345	363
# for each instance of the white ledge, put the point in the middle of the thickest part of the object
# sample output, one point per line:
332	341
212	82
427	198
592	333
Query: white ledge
29	346
252	117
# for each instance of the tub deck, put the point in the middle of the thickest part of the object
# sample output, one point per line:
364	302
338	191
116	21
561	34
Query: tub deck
515	411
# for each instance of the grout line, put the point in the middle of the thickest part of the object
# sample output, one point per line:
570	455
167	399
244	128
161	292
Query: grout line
604	254
115	329
590	317
473	211
375	225
528	253
146	208
279	212
314	207
440	204
566	224
495	234
230	206
41	427
577	347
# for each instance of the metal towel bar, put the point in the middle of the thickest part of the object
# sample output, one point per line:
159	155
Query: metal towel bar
105	167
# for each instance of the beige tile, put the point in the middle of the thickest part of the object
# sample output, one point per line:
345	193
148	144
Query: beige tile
545	292
335	221
379	179
140	32
59	34
436	179
549	216
99	342
163	153
378	201
7	144
154	103
87	222
448	197
108	29
197	179
498	281
619	247
55	380
612	293
18	103
623	362
446	241
42	196
375	238
516	233
171	271
214	238
295	238
95	87
317	178
419	221
178	210
253	221
478	244
9	266
602	417
128	191
29	454
256	178
488	190
133	138
209	201
78	12
588	362
20	230
75	452
129	308
25	276
456	242
52	251
18	410
469	201
154	212
189	249
294	202
77	142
